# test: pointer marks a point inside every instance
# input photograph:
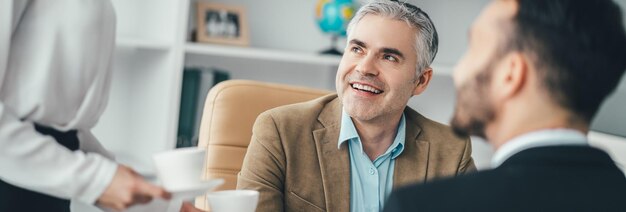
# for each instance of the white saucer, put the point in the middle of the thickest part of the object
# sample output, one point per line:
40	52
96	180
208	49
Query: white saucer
196	190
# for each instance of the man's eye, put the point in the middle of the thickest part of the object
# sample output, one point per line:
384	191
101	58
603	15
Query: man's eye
391	58
357	50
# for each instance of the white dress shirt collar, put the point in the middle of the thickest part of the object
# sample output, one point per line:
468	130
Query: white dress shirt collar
541	138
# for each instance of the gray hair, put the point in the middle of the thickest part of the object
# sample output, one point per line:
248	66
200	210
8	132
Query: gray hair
427	41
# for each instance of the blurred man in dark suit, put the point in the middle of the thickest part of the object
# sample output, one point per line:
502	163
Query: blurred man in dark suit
533	78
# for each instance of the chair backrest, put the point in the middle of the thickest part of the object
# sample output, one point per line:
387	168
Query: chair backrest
230	109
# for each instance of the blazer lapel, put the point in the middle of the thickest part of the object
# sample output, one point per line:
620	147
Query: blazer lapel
334	162
411	166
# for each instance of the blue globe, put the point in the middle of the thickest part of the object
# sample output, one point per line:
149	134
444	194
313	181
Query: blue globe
333	16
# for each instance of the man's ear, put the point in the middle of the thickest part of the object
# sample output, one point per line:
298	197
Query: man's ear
512	77
423	81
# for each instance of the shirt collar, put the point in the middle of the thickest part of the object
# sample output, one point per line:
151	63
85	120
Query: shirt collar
348	132
542	138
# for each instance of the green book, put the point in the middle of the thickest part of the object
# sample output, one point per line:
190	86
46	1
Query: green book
196	85
188	104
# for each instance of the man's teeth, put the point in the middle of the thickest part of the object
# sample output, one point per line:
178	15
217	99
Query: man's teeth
366	88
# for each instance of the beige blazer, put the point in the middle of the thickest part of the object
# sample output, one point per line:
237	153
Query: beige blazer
294	162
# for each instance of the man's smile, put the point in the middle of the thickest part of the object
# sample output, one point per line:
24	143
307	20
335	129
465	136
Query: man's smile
366	88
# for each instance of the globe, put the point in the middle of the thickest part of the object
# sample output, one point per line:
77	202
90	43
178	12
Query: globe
332	18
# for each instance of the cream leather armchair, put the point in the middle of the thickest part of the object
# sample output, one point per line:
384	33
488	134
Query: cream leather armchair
230	109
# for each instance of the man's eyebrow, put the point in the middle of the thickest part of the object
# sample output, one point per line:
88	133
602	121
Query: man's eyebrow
393	51
358	43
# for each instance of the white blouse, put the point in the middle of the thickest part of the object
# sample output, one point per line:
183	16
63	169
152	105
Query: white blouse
55	70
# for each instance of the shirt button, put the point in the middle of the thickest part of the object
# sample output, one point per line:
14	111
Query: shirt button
372	171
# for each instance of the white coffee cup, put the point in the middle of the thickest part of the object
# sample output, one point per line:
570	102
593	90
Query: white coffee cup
180	169
233	200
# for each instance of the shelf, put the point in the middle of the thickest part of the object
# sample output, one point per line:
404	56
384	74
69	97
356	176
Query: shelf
262	54
142	44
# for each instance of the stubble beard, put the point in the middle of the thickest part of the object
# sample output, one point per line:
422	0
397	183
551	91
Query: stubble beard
474	107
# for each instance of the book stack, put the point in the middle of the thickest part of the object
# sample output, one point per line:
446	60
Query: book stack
197	81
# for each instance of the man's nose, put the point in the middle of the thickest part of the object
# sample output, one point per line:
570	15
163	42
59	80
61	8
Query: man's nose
367	66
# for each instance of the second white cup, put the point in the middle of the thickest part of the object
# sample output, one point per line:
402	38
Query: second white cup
180	169
233	200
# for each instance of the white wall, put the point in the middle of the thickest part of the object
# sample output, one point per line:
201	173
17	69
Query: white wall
452	18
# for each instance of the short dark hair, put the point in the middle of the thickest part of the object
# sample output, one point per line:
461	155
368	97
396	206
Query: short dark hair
577	46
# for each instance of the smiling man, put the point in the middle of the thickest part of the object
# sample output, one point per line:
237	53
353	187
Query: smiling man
348	151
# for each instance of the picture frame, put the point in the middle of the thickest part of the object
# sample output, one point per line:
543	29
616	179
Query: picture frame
222	24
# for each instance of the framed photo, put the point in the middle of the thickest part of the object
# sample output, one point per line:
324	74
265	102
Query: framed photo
222	24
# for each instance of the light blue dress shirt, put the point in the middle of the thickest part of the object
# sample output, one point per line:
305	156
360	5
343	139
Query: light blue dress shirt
371	181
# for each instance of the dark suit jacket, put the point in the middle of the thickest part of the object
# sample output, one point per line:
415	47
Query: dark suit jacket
294	162
559	178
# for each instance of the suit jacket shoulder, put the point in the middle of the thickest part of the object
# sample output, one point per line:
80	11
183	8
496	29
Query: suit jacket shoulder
304	114
565	178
